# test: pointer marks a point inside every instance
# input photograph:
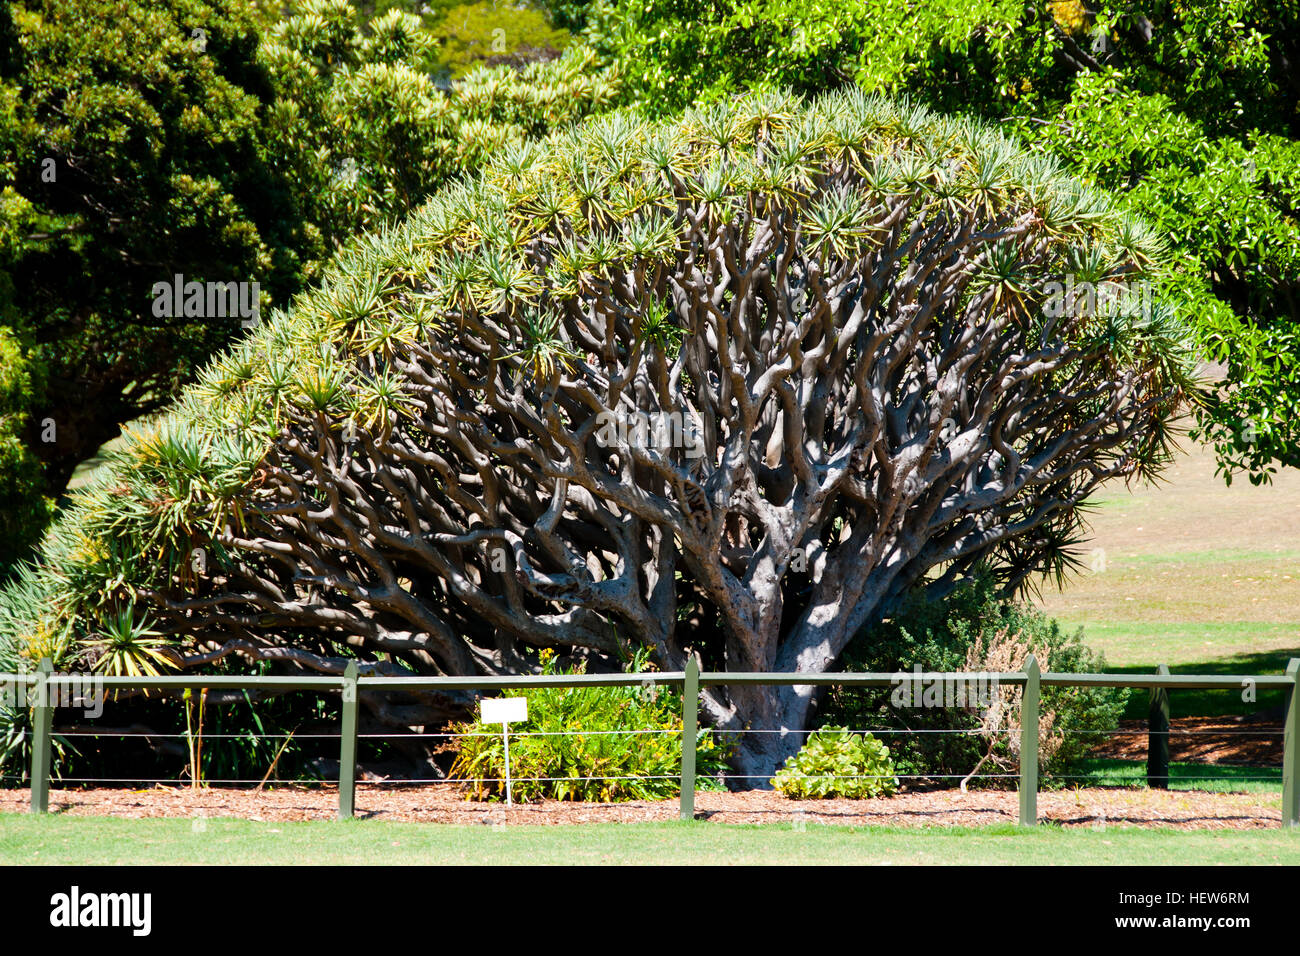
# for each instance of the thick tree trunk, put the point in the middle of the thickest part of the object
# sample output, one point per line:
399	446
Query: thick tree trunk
770	725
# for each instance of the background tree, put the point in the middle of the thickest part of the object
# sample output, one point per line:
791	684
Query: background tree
214	140
129	152
844	312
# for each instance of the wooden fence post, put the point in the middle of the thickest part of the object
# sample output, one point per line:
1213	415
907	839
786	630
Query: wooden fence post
1158	736
348	744
1291	741
690	702
1029	745
42	728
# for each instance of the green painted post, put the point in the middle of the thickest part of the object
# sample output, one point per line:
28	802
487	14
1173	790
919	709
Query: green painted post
1158	735
1029	745
348	744
690	703
1290	757
42	729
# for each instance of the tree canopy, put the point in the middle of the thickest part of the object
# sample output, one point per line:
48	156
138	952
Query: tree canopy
728	385
236	141
1184	112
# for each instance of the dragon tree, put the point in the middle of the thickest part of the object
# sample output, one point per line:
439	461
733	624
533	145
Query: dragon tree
727	386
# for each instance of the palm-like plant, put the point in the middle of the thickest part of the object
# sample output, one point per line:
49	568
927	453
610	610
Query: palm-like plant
125	647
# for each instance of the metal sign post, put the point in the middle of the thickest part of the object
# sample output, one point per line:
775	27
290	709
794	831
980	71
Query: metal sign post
505	711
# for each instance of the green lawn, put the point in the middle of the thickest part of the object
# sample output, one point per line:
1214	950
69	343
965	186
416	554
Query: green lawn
1214	778
93	840
1213	702
1193	574
1142	645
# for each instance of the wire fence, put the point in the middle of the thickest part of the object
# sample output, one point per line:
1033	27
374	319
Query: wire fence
44	688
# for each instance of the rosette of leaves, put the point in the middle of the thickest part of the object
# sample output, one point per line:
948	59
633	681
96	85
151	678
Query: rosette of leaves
838	763
16	729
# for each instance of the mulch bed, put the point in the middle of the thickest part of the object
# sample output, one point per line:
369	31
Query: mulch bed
1218	740
445	803
1214	740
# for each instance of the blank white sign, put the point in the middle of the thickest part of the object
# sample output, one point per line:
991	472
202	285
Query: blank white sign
505	710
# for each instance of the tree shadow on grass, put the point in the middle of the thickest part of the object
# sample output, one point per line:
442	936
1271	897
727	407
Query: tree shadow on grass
1226	702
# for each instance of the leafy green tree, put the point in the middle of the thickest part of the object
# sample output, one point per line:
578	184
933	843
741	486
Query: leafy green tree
364	131
471	34
728	386
129	149
1229	204
144	140
568	14
24	509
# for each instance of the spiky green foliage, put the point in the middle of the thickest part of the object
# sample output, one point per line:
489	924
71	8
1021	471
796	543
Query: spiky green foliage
845	311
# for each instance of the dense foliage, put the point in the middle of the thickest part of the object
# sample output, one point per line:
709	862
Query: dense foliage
1184	111
835	762
144	140
268	139
471	34
597	744
128	154
390	469
965	631
848	300
24	507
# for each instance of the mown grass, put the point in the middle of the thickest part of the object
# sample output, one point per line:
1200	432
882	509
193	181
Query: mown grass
1211	778
1187	644
96	840
1215	702
1193	574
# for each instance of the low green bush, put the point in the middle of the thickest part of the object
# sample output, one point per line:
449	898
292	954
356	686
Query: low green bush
974	629
582	745
838	763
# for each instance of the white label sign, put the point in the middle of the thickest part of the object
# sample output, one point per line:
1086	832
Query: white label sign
505	710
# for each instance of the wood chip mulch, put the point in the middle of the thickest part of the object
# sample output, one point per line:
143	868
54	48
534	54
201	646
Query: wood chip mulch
444	803
1217	740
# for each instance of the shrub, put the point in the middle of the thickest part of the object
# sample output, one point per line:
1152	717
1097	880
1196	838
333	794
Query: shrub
585	745
472	34
16	730
838	763
975	629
